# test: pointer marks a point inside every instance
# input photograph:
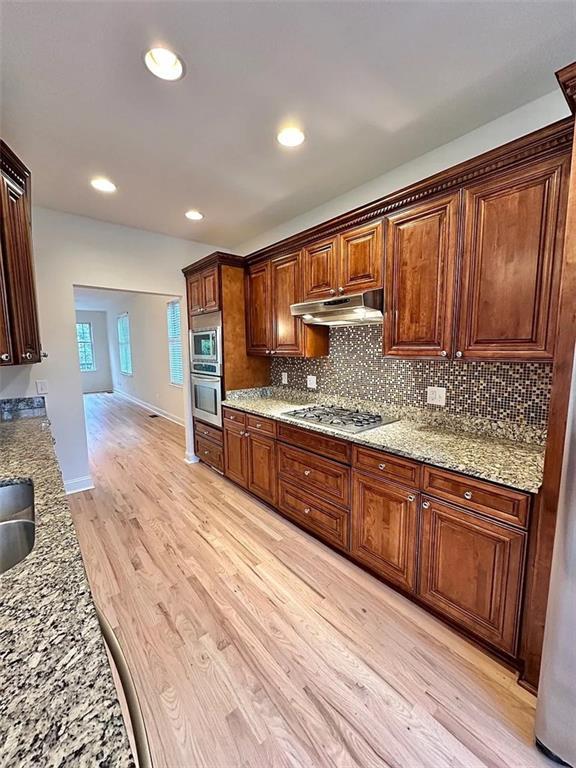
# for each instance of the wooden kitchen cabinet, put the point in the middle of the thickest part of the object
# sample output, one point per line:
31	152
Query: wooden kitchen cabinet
384	529
258	309
421	260
471	571
203	290
235	452
19	332
511	261
286	289
327	521
320	269
262	466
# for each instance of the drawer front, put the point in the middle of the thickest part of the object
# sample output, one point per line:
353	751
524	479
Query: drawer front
387	466
327	479
478	495
209	452
329	522
316	442
234	416
208	432
260	425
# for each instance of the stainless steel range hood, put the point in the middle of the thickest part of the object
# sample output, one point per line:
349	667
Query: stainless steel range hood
354	309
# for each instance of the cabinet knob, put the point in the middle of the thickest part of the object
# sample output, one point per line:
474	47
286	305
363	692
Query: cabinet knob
206	453
43	355
306	472
411	497
242	434
425	504
458	354
272	351
332	292
382	466
443	353
246	434
340	290
468	495
258	425
5	357
27	355
307	511
267	351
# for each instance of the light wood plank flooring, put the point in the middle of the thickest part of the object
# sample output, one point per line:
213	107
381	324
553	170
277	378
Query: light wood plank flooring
253	645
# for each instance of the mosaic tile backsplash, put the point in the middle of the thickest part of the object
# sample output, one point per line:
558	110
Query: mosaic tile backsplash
21	408
356	367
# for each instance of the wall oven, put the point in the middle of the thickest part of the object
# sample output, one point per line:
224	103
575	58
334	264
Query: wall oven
206	343
207	398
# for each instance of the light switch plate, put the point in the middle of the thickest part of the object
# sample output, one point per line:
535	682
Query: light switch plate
311	382
284	378
41	386
436	395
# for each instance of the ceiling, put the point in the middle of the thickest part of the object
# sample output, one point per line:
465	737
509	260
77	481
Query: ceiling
373	84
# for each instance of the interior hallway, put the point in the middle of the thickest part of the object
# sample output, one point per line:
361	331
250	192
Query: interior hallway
254	645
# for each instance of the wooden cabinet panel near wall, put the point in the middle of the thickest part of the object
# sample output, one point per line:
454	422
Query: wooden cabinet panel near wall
258	309
320	269
511	263
286	288
421	254
5	337
384	528
235	453
203	291
471	571
262	466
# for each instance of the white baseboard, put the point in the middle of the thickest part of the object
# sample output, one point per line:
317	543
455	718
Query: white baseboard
79	484
191	458
149	407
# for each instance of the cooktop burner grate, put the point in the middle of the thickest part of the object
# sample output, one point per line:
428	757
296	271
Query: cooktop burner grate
340	418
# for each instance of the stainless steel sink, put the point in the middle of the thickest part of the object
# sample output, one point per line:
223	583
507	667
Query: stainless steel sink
17	525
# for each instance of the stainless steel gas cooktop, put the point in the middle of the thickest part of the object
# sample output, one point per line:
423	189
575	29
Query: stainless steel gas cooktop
340	418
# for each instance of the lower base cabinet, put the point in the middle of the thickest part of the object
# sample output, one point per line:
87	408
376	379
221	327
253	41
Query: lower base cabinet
262	466
210	453
471	570
324	519
385	529
236	453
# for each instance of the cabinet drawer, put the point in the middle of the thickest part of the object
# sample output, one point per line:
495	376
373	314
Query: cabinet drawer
385	465
208	432
329	522
330	447
231	414
471	570
258	424
209	452
478	495
327	479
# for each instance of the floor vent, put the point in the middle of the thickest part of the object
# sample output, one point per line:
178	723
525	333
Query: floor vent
153	415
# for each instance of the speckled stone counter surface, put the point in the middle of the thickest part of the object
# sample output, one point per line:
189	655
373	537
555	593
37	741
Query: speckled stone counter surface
473	449
58	702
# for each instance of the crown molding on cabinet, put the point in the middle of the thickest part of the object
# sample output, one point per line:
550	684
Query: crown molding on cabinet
567	79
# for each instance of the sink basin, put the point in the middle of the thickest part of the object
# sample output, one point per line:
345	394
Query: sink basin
17	526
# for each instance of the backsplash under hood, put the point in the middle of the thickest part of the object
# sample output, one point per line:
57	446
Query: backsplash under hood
355	309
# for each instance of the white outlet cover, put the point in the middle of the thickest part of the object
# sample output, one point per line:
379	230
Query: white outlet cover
284	378
41	386
311	382
436	395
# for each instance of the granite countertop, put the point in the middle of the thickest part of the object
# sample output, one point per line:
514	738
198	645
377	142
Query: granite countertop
507	462
58	705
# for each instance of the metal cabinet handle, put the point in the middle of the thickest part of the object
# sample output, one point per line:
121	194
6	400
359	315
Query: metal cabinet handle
458	354
27	355
340	290
5	357
44	355
468	495
272	351
382	466
332	291
411	497
307	511
425	504
206	453
258	425
443	353
231	417
306	472
242	434
267	351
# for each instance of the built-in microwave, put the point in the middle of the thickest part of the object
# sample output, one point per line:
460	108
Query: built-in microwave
206	343
207	398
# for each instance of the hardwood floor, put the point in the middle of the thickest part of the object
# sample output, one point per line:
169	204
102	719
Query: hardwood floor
253	645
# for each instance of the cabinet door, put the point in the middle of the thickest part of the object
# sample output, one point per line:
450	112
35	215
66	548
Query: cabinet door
19	274
514	229
319	269
421	252
471	571
360	259
384	529
236	454
5	339
262	467
194	291
286	280
258	306
210	292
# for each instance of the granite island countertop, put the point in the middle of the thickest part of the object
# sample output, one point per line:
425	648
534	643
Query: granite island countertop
58	705
508	462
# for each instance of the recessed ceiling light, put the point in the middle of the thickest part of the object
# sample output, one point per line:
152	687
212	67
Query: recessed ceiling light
291	137
194	215
103	185
164	63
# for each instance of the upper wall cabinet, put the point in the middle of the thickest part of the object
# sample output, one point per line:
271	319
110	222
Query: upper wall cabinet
421	253
271	287
511	262
203	291
349	263
19	334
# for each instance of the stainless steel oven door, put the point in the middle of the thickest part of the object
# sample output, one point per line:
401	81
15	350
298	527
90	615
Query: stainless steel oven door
207	398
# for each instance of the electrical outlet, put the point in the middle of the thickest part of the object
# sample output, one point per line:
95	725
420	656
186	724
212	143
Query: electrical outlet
284	378
41	386
311	382
436	395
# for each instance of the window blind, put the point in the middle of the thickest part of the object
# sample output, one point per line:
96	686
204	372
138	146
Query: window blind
175	343
85	346
124	346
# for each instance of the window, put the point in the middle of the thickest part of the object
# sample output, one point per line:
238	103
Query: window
124	348
85	346
175	343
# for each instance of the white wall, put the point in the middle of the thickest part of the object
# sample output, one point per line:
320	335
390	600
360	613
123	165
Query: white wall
74	250
532	116
99	380
149	384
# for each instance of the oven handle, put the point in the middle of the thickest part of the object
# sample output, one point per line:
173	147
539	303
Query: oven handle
205	377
